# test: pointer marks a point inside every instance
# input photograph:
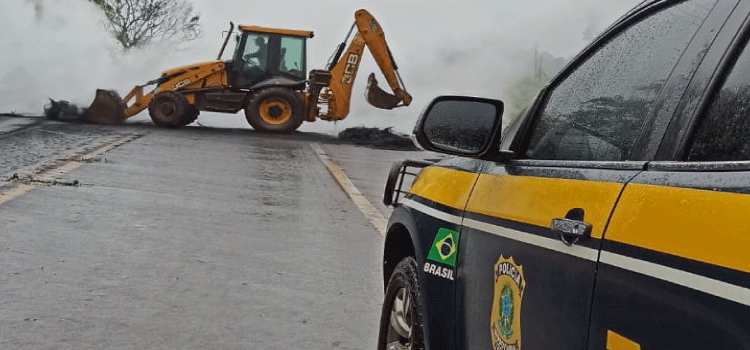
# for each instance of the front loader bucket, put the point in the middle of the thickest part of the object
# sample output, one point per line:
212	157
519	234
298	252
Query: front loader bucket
107	109
377	97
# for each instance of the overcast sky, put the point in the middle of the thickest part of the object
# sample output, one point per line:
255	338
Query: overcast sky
58	49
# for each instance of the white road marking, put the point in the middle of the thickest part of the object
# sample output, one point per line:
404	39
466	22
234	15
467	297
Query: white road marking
371	213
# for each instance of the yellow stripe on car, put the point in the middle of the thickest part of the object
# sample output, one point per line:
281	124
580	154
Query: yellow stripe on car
702	225
517	198
449	187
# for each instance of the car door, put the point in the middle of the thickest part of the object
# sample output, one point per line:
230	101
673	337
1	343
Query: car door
533	226
674	270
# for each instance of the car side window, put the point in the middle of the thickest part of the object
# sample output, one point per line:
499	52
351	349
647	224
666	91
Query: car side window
597	112
724	132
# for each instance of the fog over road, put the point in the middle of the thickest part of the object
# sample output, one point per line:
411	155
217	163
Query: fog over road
184	239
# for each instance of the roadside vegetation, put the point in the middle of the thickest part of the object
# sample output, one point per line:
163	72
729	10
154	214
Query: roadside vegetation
523	91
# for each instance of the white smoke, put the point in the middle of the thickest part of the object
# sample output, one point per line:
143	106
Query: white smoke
59	48
36	63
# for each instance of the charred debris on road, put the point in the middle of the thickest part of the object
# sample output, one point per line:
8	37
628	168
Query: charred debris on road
63	111
377	138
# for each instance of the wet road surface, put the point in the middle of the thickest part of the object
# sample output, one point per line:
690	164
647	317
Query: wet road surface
190	238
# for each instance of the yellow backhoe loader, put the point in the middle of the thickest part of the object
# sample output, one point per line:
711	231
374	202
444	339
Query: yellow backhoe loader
266	78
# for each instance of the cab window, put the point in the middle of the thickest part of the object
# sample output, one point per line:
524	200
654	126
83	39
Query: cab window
256	50
293	57
724	132
597	111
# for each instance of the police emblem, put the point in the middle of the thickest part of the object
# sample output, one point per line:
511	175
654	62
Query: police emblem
505	328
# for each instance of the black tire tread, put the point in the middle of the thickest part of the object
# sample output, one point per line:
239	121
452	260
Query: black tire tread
256	98
405	274
191	115
182	108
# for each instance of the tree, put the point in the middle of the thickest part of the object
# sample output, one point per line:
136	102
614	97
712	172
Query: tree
137	23
522	93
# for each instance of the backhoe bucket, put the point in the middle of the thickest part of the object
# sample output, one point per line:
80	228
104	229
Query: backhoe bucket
377	97
107	109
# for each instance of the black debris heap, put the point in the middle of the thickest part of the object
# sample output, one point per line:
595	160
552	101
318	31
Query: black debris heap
377	138
63	111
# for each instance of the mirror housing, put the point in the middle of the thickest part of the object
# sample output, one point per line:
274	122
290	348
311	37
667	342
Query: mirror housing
459	125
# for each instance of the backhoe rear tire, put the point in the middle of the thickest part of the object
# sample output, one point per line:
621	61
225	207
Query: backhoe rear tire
169	109
275	109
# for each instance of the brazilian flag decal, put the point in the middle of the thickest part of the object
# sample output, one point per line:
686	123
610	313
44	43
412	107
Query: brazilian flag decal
444	247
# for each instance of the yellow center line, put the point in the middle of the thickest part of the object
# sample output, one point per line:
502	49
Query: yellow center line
73	163
14	193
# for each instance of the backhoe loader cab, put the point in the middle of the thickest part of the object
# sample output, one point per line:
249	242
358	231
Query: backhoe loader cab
268	54
267	78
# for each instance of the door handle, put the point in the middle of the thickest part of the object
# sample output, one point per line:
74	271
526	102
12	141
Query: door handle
570	230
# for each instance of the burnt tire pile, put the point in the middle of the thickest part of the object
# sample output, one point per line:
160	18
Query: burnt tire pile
63	111
377	138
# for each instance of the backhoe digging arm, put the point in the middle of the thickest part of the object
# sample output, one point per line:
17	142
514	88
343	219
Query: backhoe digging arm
344	71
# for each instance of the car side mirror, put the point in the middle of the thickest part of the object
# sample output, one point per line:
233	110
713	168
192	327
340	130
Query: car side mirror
459	125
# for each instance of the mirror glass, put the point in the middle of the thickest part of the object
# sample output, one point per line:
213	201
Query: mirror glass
459	125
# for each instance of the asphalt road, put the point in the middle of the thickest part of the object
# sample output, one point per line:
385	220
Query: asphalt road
137	237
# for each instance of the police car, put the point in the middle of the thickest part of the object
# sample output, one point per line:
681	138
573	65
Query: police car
613	214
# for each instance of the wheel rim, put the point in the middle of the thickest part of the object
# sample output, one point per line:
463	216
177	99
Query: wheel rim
167	109
275	111
401	321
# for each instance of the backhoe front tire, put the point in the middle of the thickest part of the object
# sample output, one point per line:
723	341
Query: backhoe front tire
275	109
170	109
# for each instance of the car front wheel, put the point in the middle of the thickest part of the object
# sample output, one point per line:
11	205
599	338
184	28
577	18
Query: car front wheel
401	318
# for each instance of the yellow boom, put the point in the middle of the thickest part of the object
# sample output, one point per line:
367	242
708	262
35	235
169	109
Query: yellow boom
344	71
